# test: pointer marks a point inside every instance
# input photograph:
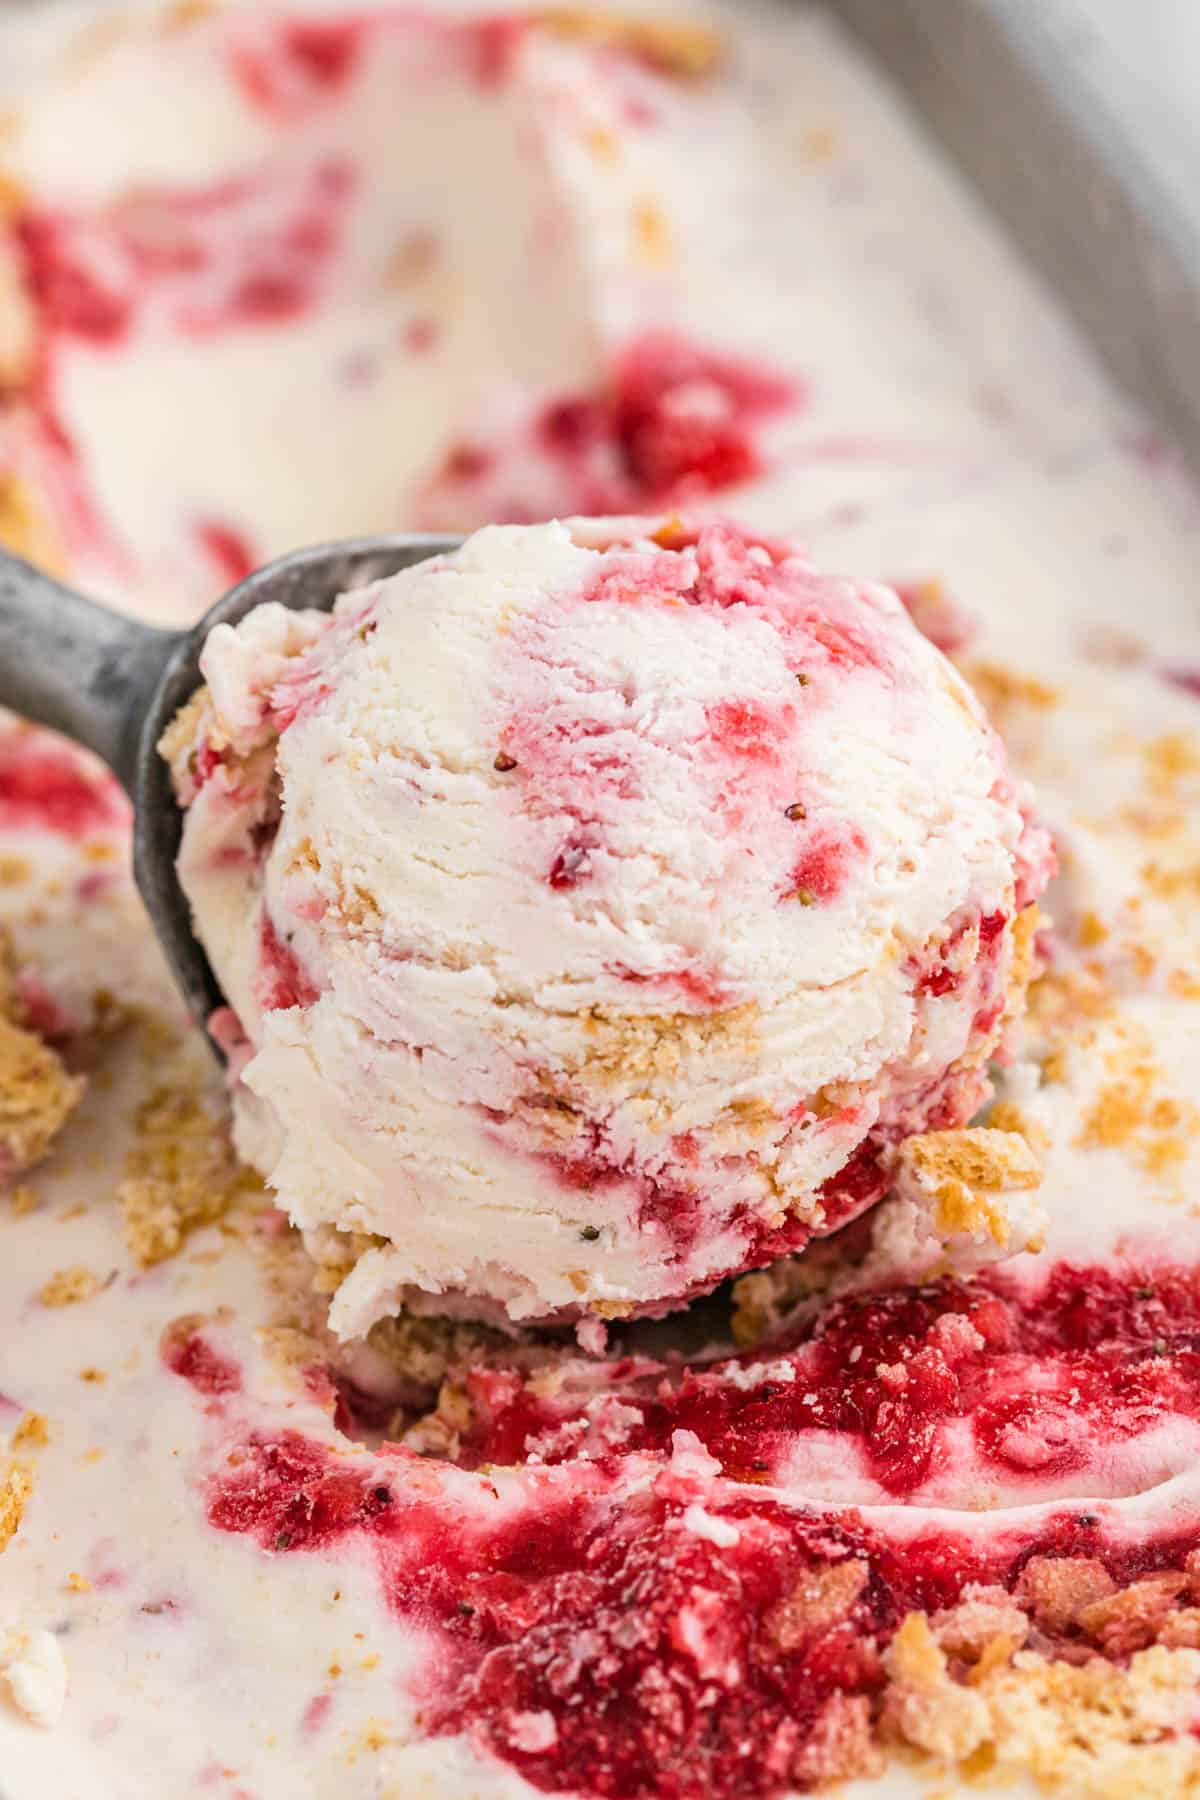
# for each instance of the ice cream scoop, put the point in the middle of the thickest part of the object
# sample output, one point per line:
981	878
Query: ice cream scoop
599	907
113	684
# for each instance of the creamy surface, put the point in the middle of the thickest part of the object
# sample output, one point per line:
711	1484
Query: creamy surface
627	882
953	432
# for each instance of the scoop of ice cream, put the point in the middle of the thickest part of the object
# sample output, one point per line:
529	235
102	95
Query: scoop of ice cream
598	909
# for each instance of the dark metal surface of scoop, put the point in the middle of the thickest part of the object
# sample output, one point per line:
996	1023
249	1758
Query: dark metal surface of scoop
114	684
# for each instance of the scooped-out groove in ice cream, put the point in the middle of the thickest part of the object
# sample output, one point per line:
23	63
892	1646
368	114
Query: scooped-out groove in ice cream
599	909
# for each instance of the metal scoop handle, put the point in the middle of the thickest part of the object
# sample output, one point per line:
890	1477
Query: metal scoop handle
114	685
79	667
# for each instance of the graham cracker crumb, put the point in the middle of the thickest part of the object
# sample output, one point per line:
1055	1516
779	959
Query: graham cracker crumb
1056	1589
181	1174
22	1200
839	1745
1099	1730
819	143
822	1597
24	527
1168	760
651	233
192	724
1002	689
1023	965
997	1653
983	1621
1063	999
675	46
1172	881
1181	1630
67	1287
1099	1727
336	1255
423	1351
15	871
924	1705
440	1432
13	196
648	1046
414	257
37	1095
1132	1618
18	345
77	1583
1091	931
33	1432
603	144
1006	1115
966	1173
765	1298
184	13
671	534
1128	1114
611	1309
16	1485
290	1347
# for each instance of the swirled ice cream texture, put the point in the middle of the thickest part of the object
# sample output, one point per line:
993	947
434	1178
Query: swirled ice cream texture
600	907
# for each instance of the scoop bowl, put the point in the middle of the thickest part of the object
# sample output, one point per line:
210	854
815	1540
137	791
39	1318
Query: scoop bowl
113	684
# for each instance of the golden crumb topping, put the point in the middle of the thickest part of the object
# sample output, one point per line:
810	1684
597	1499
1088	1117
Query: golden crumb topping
652	1046
924	1705
1169	760
180	1174
967	1173
1002	690
16	1485
1023	966
423	1351
677	46
192	724
24	527
37	1095
33	1432
1099	1729
821	1598
17	335
764	1299
964	1687
1055	1590
1131	1113
66	1287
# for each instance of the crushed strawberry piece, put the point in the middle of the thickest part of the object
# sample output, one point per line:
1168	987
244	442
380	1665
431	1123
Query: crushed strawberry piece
281	981
189	1355
681	1640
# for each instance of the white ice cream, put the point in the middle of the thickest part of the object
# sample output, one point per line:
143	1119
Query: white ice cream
631	897
952	431
331	245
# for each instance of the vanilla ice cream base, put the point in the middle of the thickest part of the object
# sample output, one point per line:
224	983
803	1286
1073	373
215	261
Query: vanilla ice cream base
856	252
483	244
473	1022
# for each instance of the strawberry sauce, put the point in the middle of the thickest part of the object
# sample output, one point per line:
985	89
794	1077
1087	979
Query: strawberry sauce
47	786
281	981
646	1619
1047	1381
674	421
686	1635
193	1359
